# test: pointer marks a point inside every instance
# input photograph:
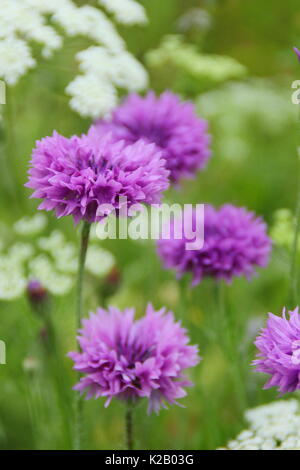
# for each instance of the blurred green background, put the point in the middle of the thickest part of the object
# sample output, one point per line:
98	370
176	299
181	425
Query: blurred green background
253	124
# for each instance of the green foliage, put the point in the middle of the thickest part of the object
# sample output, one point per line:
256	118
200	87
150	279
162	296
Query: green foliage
192	71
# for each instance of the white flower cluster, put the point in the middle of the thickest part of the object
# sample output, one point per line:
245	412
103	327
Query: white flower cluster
188	62
92	97
98	261
283	228
89	22
15	59
42	268
94	93
21	23
12	279
275	426
106	67
239	106
30	225
125	11
52	260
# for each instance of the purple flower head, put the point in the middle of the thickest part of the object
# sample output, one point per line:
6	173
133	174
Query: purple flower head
36	291
171	124
235	242
297	52
279	351
75	176
130	359
38	296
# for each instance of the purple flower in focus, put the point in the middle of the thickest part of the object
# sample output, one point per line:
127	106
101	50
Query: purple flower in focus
235	242
279	351
171	124
130	359
74	176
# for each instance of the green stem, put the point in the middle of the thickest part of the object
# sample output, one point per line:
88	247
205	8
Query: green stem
227	336
53	361
85	233
221	314
9	177
129	427
294	267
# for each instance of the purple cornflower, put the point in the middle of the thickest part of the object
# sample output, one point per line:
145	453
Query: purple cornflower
168	122
36	292
75	176
279	351
130	359
235	242
38	297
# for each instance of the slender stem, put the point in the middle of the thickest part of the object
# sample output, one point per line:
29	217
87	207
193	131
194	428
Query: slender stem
9	177
294	270
85	233
227	337
220	307
129	427
53	361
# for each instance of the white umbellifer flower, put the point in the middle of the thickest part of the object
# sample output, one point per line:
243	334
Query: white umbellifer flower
273	426
19	19
122	69
92	97
45	6
90	22
203	68
238	105
65	258
58	284
31	225
99	262
282	230
131	75
98	61
12	284
15	59
63	253
126	11
9	18
24	21
46	35
52	260
43	269
20	252
20	257
53	242
12	280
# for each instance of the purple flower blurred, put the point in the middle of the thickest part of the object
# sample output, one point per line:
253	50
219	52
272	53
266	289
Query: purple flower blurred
130	359
235	241
74	176
279	351
36	292
171	124
297	52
